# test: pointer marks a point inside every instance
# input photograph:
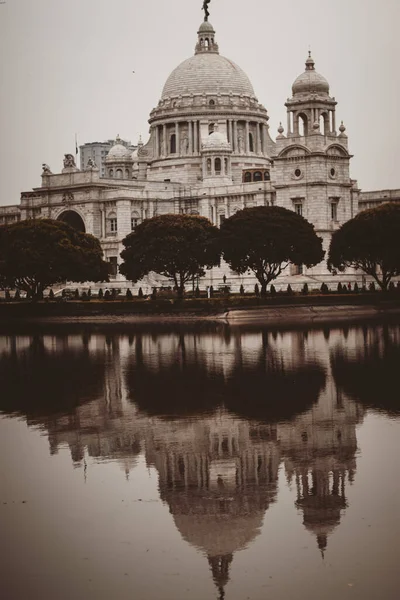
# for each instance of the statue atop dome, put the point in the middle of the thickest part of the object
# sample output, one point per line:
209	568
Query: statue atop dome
205	8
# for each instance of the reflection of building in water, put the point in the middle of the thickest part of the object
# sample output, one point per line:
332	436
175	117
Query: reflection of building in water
108	426
319	449
218	475
218	472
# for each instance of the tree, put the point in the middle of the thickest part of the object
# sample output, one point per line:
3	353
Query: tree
370	242
35	254
266	239
176	246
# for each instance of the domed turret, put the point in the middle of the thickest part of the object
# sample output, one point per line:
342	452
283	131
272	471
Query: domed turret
216	152
311	110
119	161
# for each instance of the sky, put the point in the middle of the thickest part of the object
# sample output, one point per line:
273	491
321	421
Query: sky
67	67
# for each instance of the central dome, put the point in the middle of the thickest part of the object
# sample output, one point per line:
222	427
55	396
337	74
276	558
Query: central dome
208	74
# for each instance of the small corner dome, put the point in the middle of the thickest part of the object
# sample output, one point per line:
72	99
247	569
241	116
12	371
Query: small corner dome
216	141
310	82
119	152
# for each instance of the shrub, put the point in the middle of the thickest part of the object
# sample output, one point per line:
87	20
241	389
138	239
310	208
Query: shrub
289	290
107	295
129	294
211	291
391	287
17	295
197	292
339	288
100	294
154	294
241	291
304	289
77	294
272	290
372	287
356	289
256	290
324	288
51	295
113	294
84	296
140	293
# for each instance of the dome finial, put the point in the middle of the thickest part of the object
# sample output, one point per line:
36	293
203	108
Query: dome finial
310	64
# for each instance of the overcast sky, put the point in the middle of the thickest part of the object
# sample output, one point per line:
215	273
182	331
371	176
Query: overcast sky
66	66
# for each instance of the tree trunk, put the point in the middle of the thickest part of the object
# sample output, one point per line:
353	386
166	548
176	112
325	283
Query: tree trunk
263	289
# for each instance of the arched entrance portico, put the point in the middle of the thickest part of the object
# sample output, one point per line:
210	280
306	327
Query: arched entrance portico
73	219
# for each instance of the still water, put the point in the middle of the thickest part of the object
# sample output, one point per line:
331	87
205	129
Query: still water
186	464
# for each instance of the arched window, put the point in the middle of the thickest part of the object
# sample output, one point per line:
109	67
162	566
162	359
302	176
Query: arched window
251	142
247	177
206	43
257	176
212	103
172	144
211	127
111	173
127	173
267	176
118	173
324	123
208	166
303	125
217	166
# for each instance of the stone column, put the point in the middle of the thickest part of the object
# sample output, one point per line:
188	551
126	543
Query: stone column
190	126
246	141
234	138
157	142
226	209
177	140
196	137
259	148
333	121
288	130
164	140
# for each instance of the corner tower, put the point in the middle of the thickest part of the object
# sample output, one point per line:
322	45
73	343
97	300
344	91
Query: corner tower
312	162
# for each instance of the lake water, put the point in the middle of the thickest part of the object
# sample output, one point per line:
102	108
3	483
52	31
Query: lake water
200	463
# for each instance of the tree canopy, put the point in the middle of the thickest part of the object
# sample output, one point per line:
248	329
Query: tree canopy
370	242
38	253
265	239
176	246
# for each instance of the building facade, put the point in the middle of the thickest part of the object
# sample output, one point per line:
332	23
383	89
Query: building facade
210	152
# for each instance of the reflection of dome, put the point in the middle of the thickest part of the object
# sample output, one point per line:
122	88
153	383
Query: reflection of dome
208	74
310	81
218	535
216	141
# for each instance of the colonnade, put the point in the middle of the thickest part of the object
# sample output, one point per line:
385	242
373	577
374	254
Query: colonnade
245	137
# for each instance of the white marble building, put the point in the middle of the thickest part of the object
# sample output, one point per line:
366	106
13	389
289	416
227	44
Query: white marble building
210	152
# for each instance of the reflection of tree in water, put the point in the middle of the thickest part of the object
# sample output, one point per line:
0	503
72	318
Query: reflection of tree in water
265	388
39	381
367	368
